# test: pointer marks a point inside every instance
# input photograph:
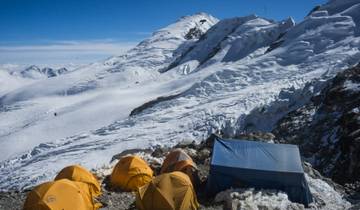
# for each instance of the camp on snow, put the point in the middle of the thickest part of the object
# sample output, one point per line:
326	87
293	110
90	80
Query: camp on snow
241	163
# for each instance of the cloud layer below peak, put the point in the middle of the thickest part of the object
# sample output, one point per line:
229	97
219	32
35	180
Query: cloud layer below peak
63	52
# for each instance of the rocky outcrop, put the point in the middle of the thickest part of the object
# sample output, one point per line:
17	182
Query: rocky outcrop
151	103
328	128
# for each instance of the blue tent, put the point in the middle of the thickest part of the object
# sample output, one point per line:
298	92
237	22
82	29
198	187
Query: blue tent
239	163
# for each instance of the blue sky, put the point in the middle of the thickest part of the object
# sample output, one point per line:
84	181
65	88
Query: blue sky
31	28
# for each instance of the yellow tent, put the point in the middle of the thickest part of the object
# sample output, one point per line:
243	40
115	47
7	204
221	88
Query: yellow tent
58	195
170	191
130	173
80	174
178	160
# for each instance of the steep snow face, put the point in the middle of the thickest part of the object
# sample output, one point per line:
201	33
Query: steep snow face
209	95
252	35
232	40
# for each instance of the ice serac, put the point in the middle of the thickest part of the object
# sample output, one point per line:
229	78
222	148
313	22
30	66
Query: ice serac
322	44
254	35
231	40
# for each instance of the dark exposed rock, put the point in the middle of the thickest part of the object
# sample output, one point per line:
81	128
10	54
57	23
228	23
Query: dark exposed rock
328	128
276	44
128	152
256	136
12	200
353	191
151	104
194	33
117	200
316	8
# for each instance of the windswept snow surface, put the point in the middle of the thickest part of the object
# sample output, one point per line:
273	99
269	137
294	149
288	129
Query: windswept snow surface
214	81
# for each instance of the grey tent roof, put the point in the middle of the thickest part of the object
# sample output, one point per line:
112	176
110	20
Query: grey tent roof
257	155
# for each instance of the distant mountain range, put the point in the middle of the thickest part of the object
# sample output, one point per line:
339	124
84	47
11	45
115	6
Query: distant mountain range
35	72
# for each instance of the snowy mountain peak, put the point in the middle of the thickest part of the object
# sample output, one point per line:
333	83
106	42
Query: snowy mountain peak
180	30
35	72
201	20
165	44
32	68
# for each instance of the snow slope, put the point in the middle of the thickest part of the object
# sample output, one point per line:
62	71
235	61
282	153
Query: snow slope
207	83
9	82
84	98
13	76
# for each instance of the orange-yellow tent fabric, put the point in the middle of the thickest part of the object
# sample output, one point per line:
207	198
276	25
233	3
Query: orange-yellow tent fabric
170	191
130	173
61	194
178	160
80	174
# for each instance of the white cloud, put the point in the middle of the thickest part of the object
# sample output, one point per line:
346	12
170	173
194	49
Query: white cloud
63	51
